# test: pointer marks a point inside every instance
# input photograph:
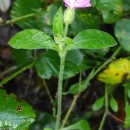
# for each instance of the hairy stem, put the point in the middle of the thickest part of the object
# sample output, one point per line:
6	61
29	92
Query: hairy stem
59	93
106	108
89	78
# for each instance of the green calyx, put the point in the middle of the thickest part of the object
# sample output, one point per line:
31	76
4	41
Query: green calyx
69	15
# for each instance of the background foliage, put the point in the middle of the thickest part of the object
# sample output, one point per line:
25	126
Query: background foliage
39	69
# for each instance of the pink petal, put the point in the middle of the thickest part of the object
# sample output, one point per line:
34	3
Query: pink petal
67	2
77	3
82	3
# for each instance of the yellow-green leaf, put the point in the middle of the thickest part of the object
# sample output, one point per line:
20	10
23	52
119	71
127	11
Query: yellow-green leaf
116	72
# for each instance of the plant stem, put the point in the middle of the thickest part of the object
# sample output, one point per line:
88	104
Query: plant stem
48	92
116	118
125	96
66	29
69	111
8	71
108	61
17	19
106	108
89	78
62	55
72	104
50	97
16	73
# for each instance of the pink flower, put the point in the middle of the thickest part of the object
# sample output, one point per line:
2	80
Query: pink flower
77	3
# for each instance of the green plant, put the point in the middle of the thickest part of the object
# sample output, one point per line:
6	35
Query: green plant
70	43
87	39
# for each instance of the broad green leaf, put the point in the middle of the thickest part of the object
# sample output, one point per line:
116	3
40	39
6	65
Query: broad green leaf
122	32
127	118
21	57
113	104
116	72
111	9
80	87
32	39
75	57
24	7
44	121
60	40
98	104
96	53
67	40
14	114
87	19
58	23
81	125
48	64
51	12
92	39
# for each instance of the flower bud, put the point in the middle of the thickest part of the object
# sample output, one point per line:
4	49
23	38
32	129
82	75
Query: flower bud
69	15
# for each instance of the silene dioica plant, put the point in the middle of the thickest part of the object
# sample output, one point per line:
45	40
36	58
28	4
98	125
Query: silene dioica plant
62	44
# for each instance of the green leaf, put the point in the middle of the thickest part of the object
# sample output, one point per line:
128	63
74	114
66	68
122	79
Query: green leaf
98	104
128	93
67	40
92	39
32	39
93	2
80	87
25	7
60	40
21	57
43	121
127	88
127	118
127	85
51	12
48	64
58	23
113	104
114	73
96	53
77	88
122	32
126	5
80	24
111	10
81	125
14	114
47	129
